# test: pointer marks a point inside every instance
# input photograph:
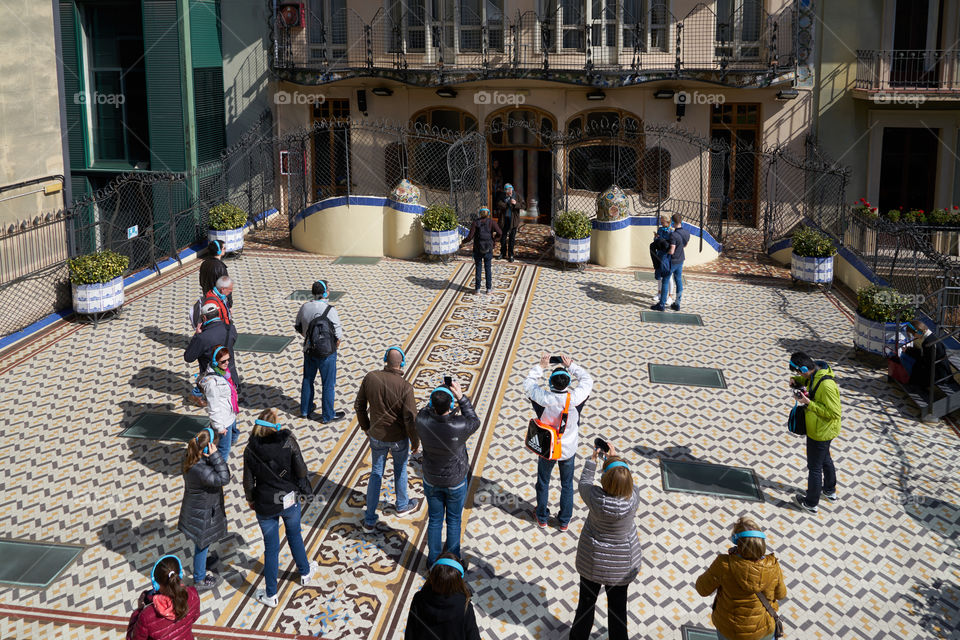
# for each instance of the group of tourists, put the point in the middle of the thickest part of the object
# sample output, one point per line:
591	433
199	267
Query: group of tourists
747	580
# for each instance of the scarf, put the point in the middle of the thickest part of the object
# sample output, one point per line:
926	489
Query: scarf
226	375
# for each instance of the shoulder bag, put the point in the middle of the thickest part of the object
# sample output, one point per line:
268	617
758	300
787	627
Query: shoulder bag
544	439
777	622
797	422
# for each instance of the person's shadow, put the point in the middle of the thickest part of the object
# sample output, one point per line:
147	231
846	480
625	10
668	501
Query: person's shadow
177	341
491	493
434	284
682	453
613	295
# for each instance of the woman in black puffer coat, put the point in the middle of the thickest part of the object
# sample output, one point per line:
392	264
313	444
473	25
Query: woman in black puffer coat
203	518
442	608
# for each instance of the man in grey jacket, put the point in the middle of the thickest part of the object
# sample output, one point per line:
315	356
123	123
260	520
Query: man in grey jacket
326	365
443	436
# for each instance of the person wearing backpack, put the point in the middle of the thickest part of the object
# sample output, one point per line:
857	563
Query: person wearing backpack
822	420
678	241
319	325
485	230
748	583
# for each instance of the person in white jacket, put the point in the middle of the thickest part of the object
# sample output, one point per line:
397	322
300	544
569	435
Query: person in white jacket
221	394
549	404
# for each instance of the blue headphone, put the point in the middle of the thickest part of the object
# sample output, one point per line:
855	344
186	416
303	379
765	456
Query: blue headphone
215	352
445	390
800	369
561	371
324	285
615	464
748	534
403	361
153	579
447	562
217	245
206	449
507	186
264	423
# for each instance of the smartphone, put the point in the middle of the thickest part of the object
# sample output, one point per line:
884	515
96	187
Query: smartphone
448	381
601	444
556	360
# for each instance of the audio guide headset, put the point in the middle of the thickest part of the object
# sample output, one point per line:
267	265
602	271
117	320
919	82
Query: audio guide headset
558	372
403	356
264	423
215	352
217	250
153	579
748	534
448	562
324	285
800	369
206	449
445	390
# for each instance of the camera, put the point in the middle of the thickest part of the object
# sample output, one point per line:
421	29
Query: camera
799	393
601	444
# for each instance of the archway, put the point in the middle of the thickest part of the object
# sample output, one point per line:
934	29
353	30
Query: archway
518	142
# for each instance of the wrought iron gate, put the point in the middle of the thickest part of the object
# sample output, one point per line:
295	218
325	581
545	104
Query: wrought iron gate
467	167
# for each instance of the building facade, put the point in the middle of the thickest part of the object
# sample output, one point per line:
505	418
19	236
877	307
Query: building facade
888	100
726	70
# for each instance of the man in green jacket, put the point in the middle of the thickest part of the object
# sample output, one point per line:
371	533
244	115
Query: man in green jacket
822	401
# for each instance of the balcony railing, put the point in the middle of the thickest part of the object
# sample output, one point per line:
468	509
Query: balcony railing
463	47
927	71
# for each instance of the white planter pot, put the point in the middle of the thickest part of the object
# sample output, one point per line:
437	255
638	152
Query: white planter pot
878	337
441	243
568	250
807	269
231	240
97	298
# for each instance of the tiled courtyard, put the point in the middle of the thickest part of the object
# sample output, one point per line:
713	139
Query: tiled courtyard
880	563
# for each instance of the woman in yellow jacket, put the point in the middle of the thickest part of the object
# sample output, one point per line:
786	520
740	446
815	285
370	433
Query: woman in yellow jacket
737	576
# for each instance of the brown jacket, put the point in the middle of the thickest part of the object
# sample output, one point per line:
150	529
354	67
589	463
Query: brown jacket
392	407
738	612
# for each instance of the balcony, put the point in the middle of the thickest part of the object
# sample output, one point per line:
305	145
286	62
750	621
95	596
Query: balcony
908	77
409	46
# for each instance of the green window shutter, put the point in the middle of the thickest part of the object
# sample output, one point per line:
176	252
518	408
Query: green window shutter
72	85
209	110
161	47
205	34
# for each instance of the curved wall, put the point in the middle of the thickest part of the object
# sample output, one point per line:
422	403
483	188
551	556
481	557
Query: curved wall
626	243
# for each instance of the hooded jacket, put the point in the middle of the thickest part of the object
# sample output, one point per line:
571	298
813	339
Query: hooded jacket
553	403
154	622
272	467
203	518
609	547
823	412
444	441
434	616
738	613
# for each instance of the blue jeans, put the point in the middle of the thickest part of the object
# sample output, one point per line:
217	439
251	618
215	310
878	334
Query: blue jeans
270	527
379	450
443	501
676	271
227	440
327	367
484	259
199	563
544	469
821	474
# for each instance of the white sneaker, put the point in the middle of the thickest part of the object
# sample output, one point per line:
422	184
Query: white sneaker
264	600
312	576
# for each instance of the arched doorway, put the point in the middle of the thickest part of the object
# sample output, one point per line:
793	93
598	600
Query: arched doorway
518	142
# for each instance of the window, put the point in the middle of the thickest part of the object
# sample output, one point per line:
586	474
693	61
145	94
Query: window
327	26
738	28
908	168
473	15
644	24
114	87
536	134
656	175
659	26
428	153
609	151
331	148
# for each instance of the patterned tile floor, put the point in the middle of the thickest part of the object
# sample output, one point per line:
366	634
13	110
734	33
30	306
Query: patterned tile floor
881	563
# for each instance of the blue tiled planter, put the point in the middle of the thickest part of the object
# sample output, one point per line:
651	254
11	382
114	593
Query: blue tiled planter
98	298
817	270
569	250
231	240
441	243
878	337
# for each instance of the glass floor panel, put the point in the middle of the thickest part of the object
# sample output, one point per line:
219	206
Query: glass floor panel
170	427
670	317
356	260
687	376
261	343
709	479
34	564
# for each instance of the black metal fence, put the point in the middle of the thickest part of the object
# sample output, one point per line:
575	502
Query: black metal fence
147	217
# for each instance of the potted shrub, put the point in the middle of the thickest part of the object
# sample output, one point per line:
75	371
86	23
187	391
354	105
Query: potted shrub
97	281
441	236
812	259
226	222
572	237
860	233
879	310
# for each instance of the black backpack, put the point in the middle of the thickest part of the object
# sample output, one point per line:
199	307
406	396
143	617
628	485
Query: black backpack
321	336
484	241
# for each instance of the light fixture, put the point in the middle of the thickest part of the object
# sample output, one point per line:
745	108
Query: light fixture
663	94
446	92
381	91
787	94
596	95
